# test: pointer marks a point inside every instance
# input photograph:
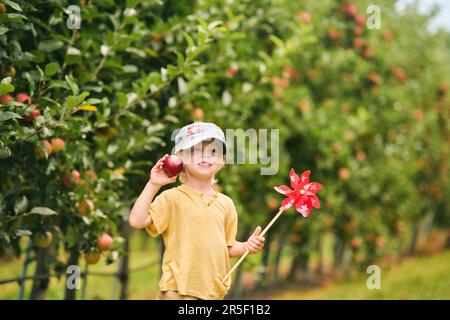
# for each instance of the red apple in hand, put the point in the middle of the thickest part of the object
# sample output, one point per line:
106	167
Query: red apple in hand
173	165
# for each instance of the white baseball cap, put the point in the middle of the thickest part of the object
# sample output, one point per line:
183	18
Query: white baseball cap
196	132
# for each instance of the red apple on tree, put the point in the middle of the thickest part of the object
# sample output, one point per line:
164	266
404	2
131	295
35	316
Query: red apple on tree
75	176
104	242
57	144
23	97
92	257
350	9
367	53
358	30
67	182
48	148
374	77
86	207
334	35
197	113
232	71
34	114
305	17
358	42
360	20
172	165
6	98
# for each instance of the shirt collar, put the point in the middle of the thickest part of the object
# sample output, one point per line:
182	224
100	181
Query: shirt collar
191	190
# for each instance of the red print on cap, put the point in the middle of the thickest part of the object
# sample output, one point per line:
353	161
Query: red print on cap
193	130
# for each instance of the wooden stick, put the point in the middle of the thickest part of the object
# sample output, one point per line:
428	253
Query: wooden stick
236	265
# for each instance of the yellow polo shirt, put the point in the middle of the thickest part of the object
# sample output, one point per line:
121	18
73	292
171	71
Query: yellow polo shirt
196	232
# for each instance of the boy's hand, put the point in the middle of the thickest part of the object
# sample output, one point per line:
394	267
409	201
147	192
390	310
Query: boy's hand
158	176
255	243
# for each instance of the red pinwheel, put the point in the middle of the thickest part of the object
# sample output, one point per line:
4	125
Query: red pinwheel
303	196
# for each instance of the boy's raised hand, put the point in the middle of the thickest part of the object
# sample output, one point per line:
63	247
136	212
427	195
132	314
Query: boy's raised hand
255	243
158	176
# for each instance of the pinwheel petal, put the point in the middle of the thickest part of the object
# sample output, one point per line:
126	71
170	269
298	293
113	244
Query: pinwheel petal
313	187
304	178
304	207
315	202
287	203
295	180
283	189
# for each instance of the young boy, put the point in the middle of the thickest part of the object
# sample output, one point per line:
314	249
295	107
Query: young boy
198	224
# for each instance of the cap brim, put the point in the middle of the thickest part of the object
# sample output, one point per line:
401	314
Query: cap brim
191	143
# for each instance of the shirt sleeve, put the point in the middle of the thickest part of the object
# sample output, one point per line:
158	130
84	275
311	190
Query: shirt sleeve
231	225
159	211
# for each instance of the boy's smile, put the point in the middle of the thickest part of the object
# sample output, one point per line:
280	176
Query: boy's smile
205	164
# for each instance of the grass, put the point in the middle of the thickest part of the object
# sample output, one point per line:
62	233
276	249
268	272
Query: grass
425	277
143	284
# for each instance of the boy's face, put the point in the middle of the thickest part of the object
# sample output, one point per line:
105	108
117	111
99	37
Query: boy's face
204	160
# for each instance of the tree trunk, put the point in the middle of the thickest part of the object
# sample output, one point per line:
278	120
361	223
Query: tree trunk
338	253
320	262
276	270
125	265
71	294
292	274
236	291
414	239
40	286
144	240
262	282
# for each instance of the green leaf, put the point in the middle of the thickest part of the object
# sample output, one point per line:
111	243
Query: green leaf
3	30
202	22
71	102
21	233
8	115
180	60
16	17
50	45
213	25
73	86
13	5
5	152
130	68
122	99
189	40
5	88
43	211
51	69
277	41
20	205
71	237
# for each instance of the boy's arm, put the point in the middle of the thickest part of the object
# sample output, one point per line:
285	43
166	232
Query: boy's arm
237	249
139	217
254	244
